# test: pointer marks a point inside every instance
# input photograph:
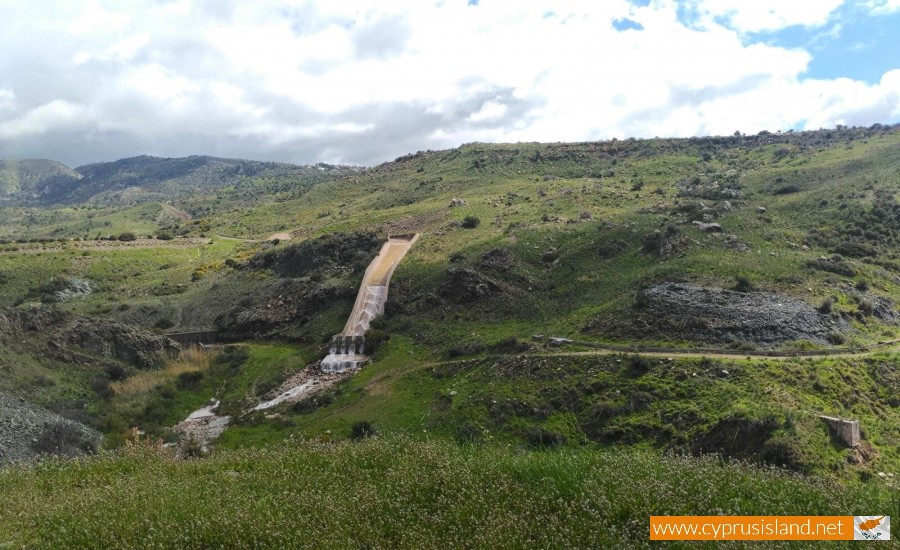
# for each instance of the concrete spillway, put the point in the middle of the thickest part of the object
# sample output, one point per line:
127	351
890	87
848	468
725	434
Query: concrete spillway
349	347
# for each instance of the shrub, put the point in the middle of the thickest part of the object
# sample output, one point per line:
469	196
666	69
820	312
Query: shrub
468	434
787	190
313	402
540	437
639	364
471	347
63	439
743	284
471	222
361	430
856	249
127	236
862	285
165	235
866	307
189	380
827	305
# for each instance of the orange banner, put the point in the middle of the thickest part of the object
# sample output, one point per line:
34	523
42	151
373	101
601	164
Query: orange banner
751	527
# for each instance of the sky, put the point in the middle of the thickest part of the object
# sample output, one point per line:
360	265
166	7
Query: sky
362	82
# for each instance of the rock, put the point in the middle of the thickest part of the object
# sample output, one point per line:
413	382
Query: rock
761	209
119	341
708	227
24	429
690	312
454	202
499	259
467	285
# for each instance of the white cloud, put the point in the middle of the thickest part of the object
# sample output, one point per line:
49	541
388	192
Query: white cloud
58	114
768	15
883	7
364	81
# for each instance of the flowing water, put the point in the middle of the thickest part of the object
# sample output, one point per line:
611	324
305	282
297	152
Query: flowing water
348	348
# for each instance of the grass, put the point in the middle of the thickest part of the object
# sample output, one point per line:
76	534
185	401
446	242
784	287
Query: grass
393	492
600	401
190	360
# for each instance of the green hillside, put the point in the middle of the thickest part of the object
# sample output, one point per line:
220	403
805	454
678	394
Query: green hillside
712	296
33	179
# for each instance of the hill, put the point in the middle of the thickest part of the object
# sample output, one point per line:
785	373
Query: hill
711	252
140	179
34	180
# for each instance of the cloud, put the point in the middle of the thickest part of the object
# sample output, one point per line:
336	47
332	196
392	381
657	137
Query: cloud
767	15
360	81
883	7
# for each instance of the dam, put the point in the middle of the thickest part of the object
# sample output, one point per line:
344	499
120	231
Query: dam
348	348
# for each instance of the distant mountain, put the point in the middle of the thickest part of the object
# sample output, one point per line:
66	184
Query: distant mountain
144	178
33	179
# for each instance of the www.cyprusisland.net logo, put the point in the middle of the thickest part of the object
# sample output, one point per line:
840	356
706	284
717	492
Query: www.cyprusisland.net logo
871	527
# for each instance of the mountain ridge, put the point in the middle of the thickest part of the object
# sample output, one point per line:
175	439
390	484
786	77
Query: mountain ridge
143	178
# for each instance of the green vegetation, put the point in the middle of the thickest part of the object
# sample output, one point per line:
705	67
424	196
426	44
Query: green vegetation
516	240
393	492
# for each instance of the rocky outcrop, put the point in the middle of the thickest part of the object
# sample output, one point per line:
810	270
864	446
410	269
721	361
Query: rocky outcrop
123	342
689	312
16	322
64	332
466	285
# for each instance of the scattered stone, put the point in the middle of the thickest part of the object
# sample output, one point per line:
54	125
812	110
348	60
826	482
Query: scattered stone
708	227
454	202
761	209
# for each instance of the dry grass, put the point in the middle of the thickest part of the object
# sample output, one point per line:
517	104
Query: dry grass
192	359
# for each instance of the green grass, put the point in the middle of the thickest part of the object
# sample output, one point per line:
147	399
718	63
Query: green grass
393	492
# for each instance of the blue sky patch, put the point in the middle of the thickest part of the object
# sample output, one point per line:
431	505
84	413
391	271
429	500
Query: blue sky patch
625	24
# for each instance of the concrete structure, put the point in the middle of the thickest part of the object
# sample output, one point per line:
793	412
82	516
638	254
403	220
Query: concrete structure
348	348
845	430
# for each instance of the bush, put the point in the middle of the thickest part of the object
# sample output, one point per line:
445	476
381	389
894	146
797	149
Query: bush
639	364
540	437
127	236
165	235
471	222
63	439
866	307
361	430
468	434
189	380
742	284
827	305
313	402
472	347
856	249
862	285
